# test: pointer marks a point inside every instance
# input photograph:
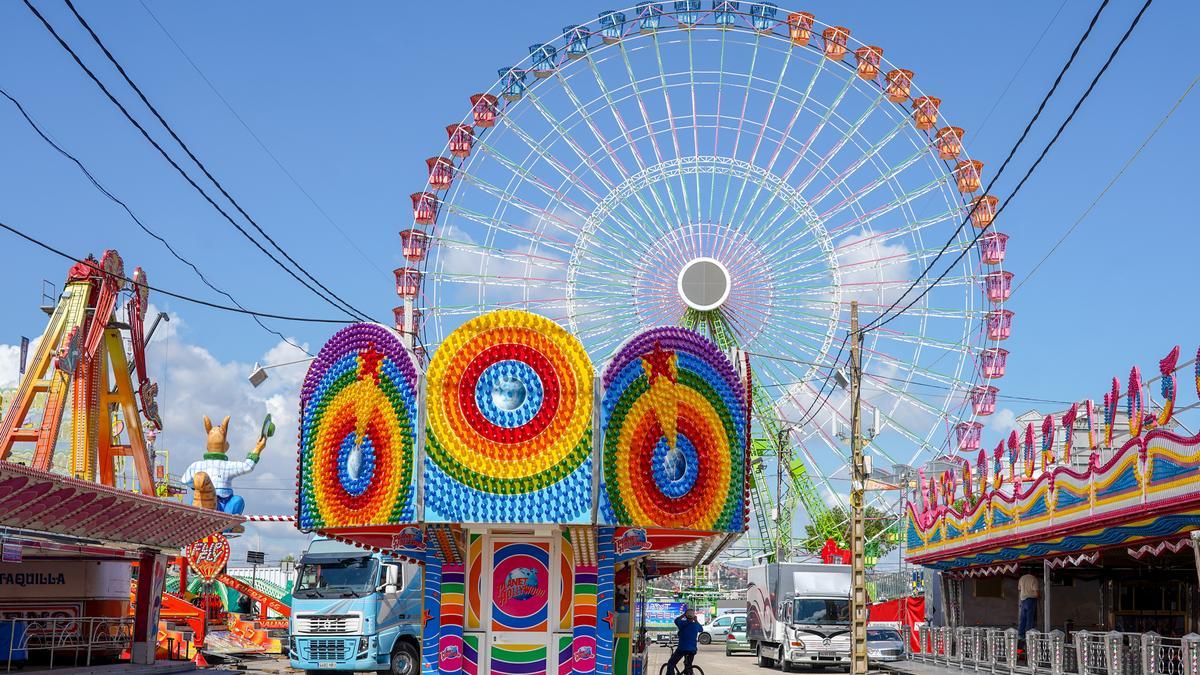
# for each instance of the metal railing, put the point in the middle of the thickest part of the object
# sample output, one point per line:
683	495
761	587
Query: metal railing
998	650
74	638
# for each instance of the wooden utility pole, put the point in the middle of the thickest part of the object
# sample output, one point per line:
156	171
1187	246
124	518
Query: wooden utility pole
858	601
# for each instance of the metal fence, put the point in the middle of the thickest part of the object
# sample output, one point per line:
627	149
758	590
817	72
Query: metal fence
67	640
998	650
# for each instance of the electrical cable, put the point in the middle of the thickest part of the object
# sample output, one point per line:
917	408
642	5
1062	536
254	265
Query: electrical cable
259	141
805	417
1078	104
62	151
1128	162
1025	133
221	188
179	296
62	43
978	131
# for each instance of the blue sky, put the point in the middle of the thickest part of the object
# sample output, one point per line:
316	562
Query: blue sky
351	97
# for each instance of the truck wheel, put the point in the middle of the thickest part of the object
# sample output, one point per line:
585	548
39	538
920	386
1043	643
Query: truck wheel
705	639
405	660
764	661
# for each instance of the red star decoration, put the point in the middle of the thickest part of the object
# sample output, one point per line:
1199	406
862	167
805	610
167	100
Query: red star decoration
369	366
611	620
426	617
660	361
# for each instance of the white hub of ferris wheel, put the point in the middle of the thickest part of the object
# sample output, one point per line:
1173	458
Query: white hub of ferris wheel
703	283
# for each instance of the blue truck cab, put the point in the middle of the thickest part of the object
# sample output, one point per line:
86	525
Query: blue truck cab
355	610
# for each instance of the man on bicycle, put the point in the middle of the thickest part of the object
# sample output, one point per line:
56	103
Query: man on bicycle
689	632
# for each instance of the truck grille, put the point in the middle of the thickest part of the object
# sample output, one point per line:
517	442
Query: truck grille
328	624
812	643
327	649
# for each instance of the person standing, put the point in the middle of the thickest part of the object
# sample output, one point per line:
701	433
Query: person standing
689	634
1028	591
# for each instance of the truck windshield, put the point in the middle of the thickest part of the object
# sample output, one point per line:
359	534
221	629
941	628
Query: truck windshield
352	576
822	611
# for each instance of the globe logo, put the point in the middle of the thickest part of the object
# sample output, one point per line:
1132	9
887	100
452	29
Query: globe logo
675	464
508	394
521	584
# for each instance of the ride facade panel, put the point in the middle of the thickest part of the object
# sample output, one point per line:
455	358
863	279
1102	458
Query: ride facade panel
1080	503
545	493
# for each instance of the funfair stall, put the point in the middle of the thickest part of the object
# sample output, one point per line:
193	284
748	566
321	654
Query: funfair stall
1105	526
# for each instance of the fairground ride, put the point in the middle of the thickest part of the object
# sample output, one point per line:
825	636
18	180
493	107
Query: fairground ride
748	172
80	371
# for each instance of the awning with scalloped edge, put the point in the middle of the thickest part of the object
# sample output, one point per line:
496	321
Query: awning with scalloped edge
45	502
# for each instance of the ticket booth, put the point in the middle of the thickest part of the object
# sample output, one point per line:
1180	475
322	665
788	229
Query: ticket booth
537	484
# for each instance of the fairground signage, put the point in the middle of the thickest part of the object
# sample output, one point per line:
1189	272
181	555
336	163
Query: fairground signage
208	556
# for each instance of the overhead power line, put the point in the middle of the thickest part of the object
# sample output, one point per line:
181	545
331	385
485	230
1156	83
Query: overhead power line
204	169
67	47
1124	167
1033	167
259	141
179	296
103	190
1012	152
1017	73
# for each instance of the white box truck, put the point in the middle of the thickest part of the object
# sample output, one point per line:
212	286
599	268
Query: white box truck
798	614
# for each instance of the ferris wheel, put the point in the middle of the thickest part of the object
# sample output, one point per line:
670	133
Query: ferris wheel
745	171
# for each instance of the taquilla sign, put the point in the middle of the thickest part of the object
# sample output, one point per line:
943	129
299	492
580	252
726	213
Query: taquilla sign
67	579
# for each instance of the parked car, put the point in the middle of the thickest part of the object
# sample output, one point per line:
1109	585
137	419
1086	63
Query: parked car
718	628
735	639
884	644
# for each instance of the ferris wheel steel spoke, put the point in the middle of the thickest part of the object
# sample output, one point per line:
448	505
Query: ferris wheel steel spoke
856	197
616	113
493	223
847	134
612	155
482	144
904	198
803	151
519	171
870	154
737	137
473	248
716	145
662	77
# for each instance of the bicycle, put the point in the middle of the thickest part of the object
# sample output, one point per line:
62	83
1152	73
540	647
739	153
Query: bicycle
694	670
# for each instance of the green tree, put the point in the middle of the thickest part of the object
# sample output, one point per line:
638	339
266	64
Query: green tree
877	526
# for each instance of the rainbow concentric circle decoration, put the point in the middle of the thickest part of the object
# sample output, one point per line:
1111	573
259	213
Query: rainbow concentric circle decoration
674	418
358	411
509	396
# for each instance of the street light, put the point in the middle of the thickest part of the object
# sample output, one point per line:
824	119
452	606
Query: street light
259	374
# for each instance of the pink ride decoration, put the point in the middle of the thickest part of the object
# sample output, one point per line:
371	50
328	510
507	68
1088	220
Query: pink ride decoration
993	362
999	324
983	400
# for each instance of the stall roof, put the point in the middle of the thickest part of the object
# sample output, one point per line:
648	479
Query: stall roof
1145	494
40	501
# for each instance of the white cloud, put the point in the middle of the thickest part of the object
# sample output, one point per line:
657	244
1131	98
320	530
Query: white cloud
873	271
1002	421
9	365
